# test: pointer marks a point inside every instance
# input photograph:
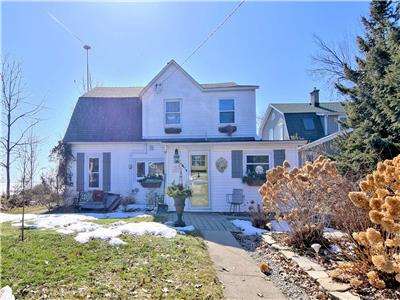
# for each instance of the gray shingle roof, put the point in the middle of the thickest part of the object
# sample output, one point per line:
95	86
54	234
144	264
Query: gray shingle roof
324	107
119	92
105	119
224	85
295	126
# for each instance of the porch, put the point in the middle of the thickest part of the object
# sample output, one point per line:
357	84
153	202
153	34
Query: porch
206	221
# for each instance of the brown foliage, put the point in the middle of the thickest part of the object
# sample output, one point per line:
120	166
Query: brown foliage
380	243
310	198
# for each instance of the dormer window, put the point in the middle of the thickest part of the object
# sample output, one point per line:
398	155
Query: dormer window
308	124
226	111
173	112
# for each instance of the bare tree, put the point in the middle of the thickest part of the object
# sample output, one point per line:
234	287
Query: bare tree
17	117
331	60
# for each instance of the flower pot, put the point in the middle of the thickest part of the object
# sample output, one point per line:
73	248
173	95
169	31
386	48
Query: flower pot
151	183
179	207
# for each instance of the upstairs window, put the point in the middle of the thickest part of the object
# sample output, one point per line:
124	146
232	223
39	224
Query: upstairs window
227	111
172	112
308	124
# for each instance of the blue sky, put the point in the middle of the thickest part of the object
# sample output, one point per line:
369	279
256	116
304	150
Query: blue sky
265	43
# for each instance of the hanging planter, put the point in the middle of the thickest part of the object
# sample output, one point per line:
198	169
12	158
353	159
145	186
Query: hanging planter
255	178
228	129
172	130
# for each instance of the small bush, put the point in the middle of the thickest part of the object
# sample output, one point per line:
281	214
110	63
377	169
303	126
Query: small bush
259	217
380	244
308	198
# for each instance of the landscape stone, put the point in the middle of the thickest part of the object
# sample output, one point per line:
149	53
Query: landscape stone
288	254
344	296
316	275
268	239
330	285
307	264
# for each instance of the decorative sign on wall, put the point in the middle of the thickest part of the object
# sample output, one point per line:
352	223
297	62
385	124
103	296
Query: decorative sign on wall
221	164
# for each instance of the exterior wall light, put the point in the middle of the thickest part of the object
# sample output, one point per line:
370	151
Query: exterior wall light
176	156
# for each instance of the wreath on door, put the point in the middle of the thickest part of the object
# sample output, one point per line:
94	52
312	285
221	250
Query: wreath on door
221	164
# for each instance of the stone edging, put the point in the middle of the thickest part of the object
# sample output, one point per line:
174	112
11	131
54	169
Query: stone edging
336	290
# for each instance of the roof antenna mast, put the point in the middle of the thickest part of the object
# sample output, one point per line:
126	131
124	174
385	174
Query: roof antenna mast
88	81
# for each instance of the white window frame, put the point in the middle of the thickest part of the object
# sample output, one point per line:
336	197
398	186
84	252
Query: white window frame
100	158
271	134
341	117
180	112
146	166
270	163
234	111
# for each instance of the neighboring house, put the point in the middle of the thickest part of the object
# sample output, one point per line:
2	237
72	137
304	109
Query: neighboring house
309	121
120	135
316	122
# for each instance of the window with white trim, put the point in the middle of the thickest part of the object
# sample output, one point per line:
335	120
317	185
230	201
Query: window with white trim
308	124
172	112
342	119
254	161
149	168
226	111
94	172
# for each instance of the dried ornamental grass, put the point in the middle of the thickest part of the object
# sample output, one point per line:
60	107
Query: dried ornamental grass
380	244
312	195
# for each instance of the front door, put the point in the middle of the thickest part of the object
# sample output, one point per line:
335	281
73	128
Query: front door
199	180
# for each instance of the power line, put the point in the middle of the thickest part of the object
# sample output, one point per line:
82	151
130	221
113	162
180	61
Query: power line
65	27
228	16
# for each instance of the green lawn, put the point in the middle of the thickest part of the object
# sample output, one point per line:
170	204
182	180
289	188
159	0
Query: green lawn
53	266
29	210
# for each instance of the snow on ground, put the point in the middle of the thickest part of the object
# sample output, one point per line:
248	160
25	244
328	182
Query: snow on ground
6	293
78	223
247	228
185	229
280	226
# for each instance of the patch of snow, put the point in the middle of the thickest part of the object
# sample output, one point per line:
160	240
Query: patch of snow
169	223
77	223
6	293
116	242
99	233
280	226
335	248
328	229
153	228
185	229
247	228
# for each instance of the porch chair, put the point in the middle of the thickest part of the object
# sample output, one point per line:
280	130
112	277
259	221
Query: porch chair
235	200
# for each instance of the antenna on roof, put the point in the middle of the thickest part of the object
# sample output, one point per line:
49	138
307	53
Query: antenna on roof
88	79
85	46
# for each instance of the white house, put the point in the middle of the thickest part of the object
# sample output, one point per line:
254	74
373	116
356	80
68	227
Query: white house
201	134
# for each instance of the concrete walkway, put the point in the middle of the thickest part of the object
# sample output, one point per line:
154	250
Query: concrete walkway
237	271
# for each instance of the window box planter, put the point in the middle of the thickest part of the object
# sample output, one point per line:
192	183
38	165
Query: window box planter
255	182
151	182
228	129
172	130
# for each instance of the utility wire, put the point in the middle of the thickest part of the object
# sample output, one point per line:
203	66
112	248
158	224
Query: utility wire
65	27
228	16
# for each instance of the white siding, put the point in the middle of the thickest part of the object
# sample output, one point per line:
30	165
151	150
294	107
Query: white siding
199	110
123	161
276	123
221	184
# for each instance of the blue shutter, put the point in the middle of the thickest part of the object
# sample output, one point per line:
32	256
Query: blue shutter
279	157
107	171
237	163
80	170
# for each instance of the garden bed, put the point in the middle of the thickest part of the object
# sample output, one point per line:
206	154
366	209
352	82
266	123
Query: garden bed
301	276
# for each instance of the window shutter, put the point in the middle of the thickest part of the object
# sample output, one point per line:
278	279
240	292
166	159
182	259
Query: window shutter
106	171
80	169
237	163
279	157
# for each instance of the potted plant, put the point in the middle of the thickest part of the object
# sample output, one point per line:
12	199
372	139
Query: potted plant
255	178
151	181
179	193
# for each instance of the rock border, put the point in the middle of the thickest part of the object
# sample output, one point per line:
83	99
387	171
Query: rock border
336	290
